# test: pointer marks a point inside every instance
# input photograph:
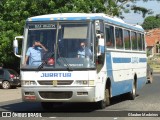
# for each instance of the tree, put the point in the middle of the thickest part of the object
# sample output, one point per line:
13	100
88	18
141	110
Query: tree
151	22
13	14
117	7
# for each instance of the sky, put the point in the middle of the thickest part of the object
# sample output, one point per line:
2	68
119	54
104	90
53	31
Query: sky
135	18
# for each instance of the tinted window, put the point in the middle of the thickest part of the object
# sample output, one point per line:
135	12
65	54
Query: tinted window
1	73
12	72
119	38
143	43
139	38
109	36
134	40
127	41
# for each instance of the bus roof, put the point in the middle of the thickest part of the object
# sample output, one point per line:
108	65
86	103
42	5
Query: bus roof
84	16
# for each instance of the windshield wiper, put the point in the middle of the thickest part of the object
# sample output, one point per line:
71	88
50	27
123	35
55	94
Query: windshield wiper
65	62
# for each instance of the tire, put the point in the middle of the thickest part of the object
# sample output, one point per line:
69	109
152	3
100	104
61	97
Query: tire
106	101
150	78
47	105
6	85
132	94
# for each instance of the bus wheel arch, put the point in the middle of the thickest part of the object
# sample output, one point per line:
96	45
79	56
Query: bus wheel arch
107	90
133	92
108	86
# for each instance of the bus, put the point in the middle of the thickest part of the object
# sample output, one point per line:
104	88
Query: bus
117	63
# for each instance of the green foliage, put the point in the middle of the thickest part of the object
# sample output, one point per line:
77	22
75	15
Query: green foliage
151	22
13	14
141	9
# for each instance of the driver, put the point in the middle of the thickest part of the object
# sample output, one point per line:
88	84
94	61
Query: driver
34	53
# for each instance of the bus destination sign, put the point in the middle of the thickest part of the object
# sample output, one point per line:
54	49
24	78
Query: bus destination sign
36	26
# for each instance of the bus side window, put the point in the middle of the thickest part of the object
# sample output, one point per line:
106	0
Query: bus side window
134	40
127	42
139	38
119	38
143	42
109	36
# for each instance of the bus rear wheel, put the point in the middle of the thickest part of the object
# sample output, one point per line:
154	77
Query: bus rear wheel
150	78
106	101
132	94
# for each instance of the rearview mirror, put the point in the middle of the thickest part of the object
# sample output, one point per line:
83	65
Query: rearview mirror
15	45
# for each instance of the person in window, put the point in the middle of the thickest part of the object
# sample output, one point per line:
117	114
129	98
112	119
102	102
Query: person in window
34	54
84	51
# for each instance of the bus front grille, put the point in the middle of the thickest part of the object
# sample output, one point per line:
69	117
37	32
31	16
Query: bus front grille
59	82
55	95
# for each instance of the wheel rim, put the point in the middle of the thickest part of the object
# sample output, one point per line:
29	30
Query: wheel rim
6	85
134	89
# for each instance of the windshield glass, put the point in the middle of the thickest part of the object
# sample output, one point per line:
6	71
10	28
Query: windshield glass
59	45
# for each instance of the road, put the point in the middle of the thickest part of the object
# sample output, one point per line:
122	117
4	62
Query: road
148	99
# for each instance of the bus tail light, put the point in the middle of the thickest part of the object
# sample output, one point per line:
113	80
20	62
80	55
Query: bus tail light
12	76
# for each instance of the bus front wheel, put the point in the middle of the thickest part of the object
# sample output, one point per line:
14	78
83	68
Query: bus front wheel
106	101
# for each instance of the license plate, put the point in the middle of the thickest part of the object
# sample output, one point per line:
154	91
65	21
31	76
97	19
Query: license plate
54	82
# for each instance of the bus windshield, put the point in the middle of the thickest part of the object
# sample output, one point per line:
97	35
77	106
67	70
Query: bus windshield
60	45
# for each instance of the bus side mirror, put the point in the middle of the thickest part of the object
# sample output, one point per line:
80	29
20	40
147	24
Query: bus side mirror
15	45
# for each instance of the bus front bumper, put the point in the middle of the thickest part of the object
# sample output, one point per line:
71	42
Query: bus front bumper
58	94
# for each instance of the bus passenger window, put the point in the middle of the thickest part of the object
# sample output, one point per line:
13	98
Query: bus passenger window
127	41
139	38
134	40
119	38
143	42
109	36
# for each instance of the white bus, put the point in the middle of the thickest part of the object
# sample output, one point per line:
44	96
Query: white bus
117	63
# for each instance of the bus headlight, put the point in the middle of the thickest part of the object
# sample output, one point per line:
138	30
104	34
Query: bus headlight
81	82
26	82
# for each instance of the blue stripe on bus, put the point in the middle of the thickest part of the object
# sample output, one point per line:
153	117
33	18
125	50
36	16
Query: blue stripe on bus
127	60
109	65
121	60
120	87
142	60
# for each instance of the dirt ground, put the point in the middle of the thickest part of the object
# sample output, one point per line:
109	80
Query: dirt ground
10	94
